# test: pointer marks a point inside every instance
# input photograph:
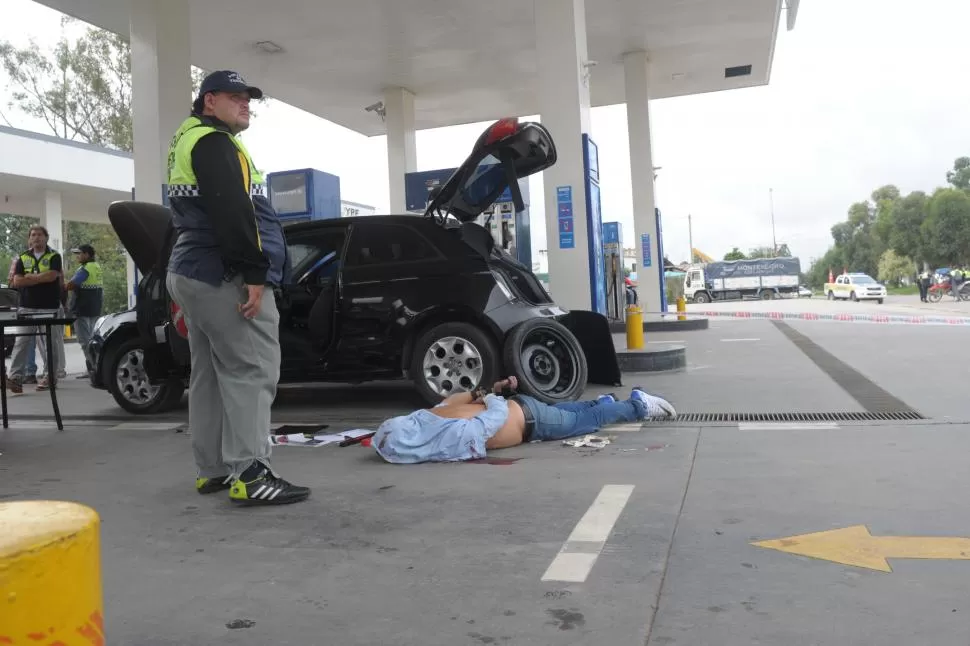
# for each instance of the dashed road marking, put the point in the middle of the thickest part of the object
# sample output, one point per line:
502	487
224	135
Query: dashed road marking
741	340
583	547
782	426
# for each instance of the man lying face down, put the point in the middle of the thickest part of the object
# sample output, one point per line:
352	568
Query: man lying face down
464	426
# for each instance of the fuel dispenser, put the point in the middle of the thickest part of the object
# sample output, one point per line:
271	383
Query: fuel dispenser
303	195
510	230
613	264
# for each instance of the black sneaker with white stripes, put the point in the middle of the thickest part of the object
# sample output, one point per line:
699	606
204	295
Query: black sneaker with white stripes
258	486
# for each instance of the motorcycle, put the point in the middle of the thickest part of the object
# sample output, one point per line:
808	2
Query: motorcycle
938	290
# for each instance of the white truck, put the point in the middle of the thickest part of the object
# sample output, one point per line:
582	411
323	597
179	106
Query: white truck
765	278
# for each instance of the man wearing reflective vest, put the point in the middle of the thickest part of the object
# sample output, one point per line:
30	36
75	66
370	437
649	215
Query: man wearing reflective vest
87	286
225	266
38	277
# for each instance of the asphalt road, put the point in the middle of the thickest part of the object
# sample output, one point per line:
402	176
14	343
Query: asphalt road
650	540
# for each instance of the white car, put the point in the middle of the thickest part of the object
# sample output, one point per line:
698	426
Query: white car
804	292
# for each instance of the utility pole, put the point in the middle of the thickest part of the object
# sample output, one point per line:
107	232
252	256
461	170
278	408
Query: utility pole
771	201
690	240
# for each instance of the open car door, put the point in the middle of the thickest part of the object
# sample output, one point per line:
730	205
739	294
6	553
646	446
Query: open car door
148	234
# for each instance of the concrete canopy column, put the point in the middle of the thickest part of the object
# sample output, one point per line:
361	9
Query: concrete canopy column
636	67
52	220
161	92
563	99
402	151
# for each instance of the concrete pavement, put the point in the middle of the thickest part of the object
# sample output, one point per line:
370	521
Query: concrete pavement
648	540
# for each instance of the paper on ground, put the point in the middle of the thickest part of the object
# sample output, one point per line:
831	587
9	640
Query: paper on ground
300	439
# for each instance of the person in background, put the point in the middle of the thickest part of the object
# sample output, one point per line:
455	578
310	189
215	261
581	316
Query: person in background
956	281
38	277
30	369
88	287
923	281
228	262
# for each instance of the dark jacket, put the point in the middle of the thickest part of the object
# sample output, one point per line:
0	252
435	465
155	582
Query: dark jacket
223	229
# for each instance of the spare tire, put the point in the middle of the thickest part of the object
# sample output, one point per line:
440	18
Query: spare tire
547	359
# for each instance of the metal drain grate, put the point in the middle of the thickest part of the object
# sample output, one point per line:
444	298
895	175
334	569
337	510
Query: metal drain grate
853	416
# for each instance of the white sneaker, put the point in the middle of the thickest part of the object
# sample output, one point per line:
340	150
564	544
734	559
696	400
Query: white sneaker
656	406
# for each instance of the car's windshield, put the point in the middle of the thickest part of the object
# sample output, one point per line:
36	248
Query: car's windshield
863	279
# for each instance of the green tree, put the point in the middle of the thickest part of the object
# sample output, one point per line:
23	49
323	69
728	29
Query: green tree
735	254
946	229
81	87
959	177
894	268
906	237
885	200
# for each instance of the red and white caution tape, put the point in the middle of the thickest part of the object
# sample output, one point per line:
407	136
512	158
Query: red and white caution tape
886	319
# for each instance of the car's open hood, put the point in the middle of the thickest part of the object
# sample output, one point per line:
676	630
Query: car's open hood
506	152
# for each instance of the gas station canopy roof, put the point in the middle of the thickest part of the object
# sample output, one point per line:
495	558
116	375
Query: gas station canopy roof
465	60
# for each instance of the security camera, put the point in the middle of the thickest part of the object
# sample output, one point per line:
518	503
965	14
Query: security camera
375	107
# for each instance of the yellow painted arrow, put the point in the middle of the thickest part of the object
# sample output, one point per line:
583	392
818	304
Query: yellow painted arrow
857	547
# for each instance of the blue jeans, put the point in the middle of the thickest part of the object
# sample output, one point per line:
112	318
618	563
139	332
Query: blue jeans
569	419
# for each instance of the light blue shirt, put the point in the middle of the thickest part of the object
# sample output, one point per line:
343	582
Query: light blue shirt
423	436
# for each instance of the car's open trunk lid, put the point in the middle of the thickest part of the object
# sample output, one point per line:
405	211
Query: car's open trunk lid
145	230
506	152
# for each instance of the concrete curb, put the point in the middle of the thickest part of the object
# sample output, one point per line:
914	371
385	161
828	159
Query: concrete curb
661	358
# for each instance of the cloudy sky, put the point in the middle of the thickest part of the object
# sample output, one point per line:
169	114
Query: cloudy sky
863	93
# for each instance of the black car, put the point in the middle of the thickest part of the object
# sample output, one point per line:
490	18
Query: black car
427	298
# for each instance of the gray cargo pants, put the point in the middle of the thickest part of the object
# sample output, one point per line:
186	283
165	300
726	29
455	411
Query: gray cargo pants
235	367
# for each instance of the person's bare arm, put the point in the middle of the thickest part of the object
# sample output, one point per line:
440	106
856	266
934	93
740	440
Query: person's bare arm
473	397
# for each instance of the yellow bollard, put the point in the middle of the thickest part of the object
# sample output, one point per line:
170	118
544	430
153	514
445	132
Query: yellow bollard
681	308
634	327
50	574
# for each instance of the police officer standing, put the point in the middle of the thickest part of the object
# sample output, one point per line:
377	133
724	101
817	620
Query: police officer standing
37	276
924	285
87	286
229	257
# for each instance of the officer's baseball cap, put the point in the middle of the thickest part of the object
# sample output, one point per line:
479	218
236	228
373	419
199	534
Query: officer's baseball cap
226	81
83	248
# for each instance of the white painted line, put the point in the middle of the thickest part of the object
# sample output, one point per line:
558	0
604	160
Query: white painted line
573	563
146	426
793	426
732	340
571	568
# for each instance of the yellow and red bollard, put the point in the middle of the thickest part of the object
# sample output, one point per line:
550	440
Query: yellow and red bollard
681	308
50	574
634	327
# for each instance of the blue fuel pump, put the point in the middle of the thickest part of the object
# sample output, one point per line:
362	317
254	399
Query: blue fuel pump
511	230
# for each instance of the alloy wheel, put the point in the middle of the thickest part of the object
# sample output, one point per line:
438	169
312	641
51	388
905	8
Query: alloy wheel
132	379
452	365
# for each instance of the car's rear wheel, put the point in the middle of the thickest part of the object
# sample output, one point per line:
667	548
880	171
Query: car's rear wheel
547	360
127	381
452	358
